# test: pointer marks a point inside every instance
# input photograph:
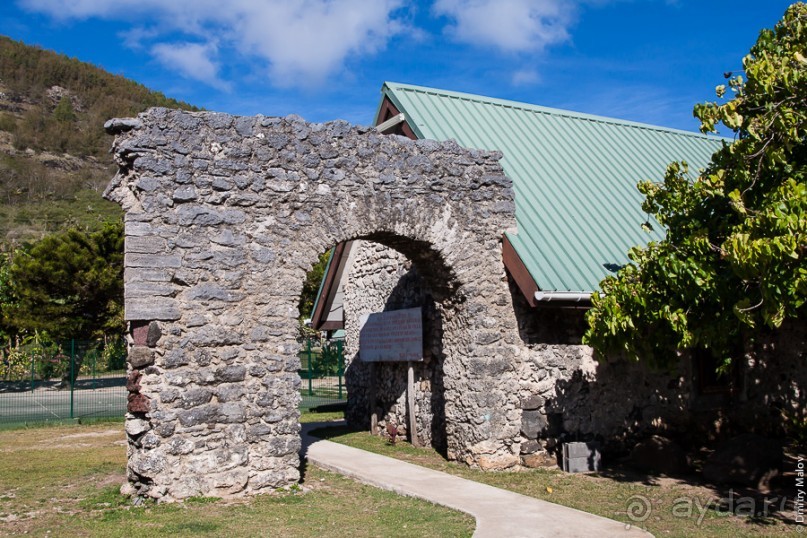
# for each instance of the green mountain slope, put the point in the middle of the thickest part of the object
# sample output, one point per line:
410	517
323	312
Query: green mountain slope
54	160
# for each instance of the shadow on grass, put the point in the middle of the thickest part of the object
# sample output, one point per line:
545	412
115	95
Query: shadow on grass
760	508
330	432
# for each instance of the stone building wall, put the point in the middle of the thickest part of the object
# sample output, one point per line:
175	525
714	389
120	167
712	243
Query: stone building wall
565	393
224	217
568	394
382	279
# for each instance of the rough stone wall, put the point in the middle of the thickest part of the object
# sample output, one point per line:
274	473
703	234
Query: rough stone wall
775	391
224	216
567	393
382	279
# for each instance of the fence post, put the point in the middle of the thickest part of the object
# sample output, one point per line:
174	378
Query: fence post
32	370
94	360
310	370
340	364
72	372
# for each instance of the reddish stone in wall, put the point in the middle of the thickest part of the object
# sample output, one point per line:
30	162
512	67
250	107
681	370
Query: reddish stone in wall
133	381
138	403
140	331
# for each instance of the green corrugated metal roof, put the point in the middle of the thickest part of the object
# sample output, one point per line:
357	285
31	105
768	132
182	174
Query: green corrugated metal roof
574	175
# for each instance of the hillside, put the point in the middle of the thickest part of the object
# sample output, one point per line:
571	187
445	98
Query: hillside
54	161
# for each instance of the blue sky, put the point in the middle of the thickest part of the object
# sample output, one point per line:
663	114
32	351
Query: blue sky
641	60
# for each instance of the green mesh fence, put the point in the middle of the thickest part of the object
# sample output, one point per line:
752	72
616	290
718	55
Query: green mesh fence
322	368
42	381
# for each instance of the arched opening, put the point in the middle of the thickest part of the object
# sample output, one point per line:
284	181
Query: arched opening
367	276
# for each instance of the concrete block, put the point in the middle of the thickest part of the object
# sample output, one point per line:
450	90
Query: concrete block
581	457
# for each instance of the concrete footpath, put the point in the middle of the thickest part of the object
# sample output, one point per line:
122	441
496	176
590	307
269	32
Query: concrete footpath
498	512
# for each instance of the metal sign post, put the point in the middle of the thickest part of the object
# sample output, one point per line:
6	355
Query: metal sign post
410	404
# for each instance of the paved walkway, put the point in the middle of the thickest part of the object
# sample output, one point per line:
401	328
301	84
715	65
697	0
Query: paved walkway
498	513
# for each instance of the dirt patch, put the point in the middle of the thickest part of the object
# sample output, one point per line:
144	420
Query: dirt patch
101	433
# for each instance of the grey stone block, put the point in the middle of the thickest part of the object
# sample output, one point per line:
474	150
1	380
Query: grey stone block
581	457
140	356
145	244
162	309
154	334
143	274
230	374
532	423
186	193
152	260
134	290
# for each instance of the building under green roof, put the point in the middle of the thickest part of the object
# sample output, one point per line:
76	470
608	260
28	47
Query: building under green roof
574	175
578	210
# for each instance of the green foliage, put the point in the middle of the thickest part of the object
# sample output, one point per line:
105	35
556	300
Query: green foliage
64	112
7	122
16	360
110	357
331	359
69	285
733	260
39	357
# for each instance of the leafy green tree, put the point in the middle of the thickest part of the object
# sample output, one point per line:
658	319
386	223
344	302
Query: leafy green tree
6	294
733	260
69	285
64	111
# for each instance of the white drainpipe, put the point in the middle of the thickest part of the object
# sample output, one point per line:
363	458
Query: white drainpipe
562	296
390	123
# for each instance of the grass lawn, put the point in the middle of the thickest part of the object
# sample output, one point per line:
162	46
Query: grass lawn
64	481
677	507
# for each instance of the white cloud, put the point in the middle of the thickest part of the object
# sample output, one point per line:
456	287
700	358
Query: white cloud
526	77
309	40
301	42
510	25
192	60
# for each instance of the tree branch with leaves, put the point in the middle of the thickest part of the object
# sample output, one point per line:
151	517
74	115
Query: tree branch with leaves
733	259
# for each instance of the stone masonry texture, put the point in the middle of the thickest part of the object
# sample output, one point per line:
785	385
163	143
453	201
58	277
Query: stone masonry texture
224	217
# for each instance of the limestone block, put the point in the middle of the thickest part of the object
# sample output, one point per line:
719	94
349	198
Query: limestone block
147	464
163	309
136	426
140	356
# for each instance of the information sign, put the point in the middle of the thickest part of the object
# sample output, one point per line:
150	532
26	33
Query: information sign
392	336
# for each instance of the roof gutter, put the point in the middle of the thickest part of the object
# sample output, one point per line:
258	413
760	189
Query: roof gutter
390	123
562	296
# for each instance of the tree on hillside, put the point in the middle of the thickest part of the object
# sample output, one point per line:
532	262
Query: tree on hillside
733	260
69	285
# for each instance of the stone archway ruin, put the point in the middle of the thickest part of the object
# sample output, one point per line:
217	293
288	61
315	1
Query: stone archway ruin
224	216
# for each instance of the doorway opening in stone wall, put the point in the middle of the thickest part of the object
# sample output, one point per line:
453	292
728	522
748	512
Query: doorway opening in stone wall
366	276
